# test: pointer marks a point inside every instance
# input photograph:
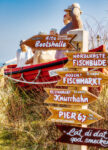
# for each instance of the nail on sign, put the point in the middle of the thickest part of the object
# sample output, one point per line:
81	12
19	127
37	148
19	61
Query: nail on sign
83	136
82	78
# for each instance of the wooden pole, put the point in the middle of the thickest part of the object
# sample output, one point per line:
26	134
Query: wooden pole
82	38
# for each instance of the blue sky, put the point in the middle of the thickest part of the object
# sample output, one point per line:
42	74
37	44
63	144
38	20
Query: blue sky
21	19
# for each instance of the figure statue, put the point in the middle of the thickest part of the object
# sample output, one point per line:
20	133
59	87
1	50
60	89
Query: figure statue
73	13
72	21
23	54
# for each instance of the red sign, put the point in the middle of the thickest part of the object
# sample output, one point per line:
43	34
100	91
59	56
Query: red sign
79	60
83	136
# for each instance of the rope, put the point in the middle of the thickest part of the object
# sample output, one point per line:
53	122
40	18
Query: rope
16	80
22	77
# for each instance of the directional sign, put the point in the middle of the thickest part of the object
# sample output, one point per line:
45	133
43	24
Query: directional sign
87	60
82	78
52	42
83	136
69	97
69	115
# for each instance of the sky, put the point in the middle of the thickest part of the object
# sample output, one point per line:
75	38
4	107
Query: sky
21	19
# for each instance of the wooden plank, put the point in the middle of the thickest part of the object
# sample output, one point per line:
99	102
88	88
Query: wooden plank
83	136
73	116
83	46
82	78
87	60
51	42
69	97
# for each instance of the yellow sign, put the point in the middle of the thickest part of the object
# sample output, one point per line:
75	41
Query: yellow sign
87	60
82	78
69	115
69	97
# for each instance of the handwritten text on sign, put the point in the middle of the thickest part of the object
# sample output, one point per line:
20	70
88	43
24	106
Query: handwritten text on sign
53	42
83	136
82	78
69	97
79	60
69	115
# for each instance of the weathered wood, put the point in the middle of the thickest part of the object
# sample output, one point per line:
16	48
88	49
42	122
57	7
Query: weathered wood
69	97
83	136
73	116
82	78
87	60
51	42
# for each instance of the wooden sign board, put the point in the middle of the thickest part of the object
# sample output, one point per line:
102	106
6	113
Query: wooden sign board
50	42
83	136
87	60
73	116
82	78
69	97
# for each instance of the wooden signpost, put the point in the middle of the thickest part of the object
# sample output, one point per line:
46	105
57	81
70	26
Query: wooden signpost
82	78
83	136
75	113
51	42
73	116
69	97
87	60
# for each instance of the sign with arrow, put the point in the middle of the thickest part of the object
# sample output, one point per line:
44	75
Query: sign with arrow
82	78
73	116
83	136
51	42
87	60
69	97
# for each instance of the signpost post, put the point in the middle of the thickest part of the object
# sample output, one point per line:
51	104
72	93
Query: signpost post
82	38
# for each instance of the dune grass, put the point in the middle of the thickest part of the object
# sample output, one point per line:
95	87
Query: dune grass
23	116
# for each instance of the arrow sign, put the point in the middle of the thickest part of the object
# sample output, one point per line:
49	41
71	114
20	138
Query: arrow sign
87	60
69	97
51	42
82	78
69	115
83	136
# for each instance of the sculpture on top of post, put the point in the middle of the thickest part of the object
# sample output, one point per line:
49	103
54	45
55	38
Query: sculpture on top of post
72	21
73	14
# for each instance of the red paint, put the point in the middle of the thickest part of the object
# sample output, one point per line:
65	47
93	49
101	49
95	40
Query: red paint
97	90
83	136
32	73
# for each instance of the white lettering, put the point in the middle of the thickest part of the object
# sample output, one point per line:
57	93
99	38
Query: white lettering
73	99
50	44
82	81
